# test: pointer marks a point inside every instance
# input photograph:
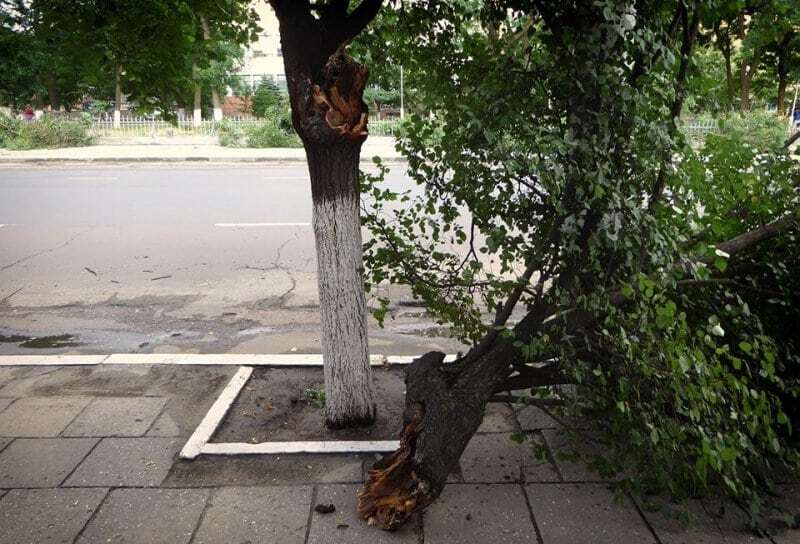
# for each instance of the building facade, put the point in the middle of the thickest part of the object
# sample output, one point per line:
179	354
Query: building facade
263	59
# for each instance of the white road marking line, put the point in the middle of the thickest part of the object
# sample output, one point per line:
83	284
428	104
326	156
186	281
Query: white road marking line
248	225
7	225
221	359
202	434
92	178
51	360
306	178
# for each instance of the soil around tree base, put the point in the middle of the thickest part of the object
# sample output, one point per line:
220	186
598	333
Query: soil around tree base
276	405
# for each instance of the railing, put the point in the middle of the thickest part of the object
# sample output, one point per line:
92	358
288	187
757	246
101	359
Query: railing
696	130
131	126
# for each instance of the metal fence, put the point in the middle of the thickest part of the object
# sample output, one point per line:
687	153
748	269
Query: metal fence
697	129
131	126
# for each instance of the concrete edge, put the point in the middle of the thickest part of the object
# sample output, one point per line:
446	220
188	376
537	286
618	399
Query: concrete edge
212	359
117	160
198	443
215	414
310	446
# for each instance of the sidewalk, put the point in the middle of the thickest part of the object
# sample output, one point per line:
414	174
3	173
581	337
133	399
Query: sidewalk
88	454
137	152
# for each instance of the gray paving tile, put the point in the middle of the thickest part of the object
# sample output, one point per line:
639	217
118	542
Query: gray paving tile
122	462
585	513
571	470
346	527
4	403
165	426
38	417
5	442
35	516
494	514
493	458
691	523
533	418
788	500
498	418
300	469
41	462
256	514
116	416
535	469
146	516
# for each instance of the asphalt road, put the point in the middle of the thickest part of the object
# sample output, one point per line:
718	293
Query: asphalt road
169	257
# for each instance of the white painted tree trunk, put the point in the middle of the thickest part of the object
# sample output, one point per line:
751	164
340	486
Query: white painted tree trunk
197	114
345	349
118	99
217	105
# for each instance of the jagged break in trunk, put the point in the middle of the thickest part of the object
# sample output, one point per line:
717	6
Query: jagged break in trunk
444	408
326	89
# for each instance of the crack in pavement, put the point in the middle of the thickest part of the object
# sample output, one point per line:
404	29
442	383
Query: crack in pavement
44	251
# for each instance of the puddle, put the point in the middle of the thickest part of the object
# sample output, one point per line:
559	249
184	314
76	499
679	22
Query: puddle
46	342
13	339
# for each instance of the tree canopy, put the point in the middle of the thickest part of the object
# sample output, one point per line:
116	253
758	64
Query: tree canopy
568	232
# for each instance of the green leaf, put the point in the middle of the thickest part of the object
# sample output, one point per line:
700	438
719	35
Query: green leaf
728	454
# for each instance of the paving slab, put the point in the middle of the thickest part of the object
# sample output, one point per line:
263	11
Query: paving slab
5	442
41	462
787	499
561	444
694	522
35	516
480	513
585	513
146	516
256	514
116	416
5	402
491	458
40	417
296	469
534	469
42	381
345	526
533	418
498	418
126	462
165	425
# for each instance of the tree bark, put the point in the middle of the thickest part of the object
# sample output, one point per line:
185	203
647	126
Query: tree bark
53	94
326	90
337	231
215	101
118	97
783	72
197	113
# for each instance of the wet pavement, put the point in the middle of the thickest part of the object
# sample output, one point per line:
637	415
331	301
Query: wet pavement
171	258
89	454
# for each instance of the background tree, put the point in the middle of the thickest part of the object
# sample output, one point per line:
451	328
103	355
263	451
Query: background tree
325	91
594	248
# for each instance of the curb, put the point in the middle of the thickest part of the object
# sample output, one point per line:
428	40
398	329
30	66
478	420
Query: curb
117	160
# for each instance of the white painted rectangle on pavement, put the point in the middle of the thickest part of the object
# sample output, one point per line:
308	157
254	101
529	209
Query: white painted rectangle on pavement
215	414
318	446
51	360
253	225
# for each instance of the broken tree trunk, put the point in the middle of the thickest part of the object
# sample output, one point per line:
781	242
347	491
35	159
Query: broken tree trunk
445	403
326	89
